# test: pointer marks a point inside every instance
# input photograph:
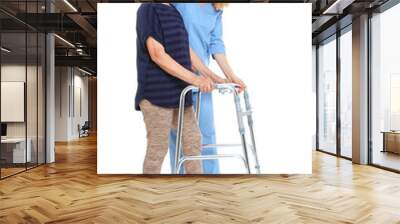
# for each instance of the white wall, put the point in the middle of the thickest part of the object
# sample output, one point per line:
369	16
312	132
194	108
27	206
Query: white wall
61	103
12	101
15	73
80	84
271	52
12	73
68	83
314	100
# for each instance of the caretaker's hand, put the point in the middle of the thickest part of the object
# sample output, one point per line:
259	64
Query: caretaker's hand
222	61
219	80
236	80
204	83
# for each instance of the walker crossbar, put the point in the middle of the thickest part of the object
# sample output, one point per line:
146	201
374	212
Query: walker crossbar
180	158
210	157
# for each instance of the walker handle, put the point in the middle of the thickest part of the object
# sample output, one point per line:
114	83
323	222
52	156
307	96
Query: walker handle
221	87
226	86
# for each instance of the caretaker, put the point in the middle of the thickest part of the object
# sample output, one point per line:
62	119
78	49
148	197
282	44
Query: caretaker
203	22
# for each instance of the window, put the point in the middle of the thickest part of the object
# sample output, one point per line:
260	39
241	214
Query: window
346	93
385	89
327	96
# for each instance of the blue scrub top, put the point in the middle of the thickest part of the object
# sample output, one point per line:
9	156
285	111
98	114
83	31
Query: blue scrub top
204	25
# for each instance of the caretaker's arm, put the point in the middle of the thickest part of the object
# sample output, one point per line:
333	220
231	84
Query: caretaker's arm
217	49
227	70
203	69
168	64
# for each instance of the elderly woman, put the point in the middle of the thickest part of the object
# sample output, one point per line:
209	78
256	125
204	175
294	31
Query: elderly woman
203	22
165	61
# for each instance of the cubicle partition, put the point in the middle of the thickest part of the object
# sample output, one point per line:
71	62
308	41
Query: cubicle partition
22	90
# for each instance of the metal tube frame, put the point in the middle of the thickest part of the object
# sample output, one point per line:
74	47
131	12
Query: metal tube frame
241	128
250	123
180	158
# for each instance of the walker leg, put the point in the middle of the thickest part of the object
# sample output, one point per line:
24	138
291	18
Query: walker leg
254	149
178	141
250	123
241	129
197	111
179	133
179	166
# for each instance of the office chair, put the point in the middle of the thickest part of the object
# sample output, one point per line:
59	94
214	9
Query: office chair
84	130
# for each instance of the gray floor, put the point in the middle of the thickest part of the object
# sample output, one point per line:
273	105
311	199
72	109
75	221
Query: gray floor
387	159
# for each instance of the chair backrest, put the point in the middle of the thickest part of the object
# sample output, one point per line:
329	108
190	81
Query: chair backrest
86	124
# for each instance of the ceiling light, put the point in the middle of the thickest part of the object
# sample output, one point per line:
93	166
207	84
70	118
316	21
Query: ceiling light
84	71
79	51
65	41
71	6
338	6
5	50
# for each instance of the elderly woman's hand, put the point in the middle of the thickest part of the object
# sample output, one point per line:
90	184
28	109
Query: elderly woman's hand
204	83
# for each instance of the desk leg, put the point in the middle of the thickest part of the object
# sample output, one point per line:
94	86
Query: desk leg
384	143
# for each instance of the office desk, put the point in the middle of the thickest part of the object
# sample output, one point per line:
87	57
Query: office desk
13	150
391	141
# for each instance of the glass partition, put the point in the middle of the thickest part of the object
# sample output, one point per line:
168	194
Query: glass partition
41	107
14	153
35	87
22	89
32	96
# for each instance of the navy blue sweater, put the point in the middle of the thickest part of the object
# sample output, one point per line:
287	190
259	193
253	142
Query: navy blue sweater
164	24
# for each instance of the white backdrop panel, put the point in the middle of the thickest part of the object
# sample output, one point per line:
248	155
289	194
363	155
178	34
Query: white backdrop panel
268	49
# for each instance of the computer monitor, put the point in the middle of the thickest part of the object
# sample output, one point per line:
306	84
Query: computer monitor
3	130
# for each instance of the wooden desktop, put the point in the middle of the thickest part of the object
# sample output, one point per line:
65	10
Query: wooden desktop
391	141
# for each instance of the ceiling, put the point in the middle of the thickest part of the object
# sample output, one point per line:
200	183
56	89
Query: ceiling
76	22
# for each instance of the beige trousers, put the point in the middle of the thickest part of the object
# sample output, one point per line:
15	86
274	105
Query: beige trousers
159	121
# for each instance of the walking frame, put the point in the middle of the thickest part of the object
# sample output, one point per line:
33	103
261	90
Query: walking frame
231	88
